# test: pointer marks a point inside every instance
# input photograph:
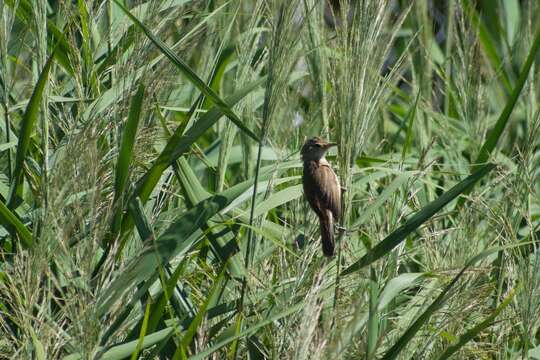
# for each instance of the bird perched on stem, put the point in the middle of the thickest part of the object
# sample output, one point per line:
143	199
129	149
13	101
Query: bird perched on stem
322	189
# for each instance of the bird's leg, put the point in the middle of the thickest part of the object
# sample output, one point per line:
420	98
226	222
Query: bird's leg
345	230
338	227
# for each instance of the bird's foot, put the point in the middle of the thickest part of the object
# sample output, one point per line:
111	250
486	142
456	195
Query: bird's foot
345	230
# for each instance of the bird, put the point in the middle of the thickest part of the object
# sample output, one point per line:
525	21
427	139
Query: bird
321	189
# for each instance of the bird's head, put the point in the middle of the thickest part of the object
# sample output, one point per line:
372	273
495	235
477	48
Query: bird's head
315	148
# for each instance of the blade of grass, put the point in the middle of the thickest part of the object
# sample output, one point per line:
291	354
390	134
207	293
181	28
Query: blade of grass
214	293
25	12
12	223
394	351
398	235
176	239
190	74
144	327
126	151
488	44
496	132
180	143
176	146
272	318
409	120
159	308
122	351
472	333
29	119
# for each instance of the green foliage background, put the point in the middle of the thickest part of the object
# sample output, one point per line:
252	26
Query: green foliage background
150	182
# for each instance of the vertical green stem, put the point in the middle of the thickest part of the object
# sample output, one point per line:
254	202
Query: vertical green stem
109	40
373	319
41	32
4	34
448	51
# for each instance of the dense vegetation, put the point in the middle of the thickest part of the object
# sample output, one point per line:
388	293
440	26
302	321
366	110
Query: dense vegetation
151	202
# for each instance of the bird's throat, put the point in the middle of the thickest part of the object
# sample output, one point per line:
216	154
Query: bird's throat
323	161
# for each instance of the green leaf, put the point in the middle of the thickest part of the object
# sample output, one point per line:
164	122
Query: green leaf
277	199
126	150
269	320
128	140
397	285
39	350
168	289
120	352
215	291
394	351
144	327
388	191
12	223
180	143
29	119
496	132
25	12
190	74
488	43
398	235
409	120
195	193
180	235
472	333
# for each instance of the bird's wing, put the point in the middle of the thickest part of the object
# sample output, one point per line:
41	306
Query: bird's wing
331	196
322	189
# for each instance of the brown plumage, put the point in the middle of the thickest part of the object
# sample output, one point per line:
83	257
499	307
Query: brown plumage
322	189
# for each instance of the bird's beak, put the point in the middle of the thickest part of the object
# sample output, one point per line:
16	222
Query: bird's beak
329	145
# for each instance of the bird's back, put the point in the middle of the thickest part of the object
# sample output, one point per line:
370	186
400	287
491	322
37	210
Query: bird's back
321	187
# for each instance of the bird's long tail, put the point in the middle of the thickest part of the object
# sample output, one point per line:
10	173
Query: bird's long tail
327	233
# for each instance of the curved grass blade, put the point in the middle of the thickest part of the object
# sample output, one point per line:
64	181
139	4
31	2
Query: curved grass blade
144	327
123	351
126	150
488	43
39	350
190	74
398	235
217	235
206	353
128	141
160	306
471	334
177	238
394	351
176	146
180	143
12	223
496	132
409	121
25	12
28	121
360	316
213	295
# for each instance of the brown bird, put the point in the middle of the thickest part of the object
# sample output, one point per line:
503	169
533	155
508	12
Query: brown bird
322	189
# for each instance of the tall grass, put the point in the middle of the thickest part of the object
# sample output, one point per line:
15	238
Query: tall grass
150	196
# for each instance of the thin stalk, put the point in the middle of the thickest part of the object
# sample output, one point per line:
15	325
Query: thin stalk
109	40
249	245
373	319
41	31
448	50
277	45
3	78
